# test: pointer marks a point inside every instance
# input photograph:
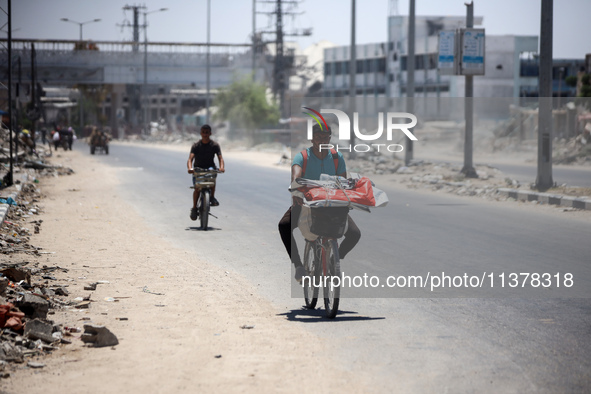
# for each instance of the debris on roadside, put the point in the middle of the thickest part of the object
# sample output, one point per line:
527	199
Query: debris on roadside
98	336
30	292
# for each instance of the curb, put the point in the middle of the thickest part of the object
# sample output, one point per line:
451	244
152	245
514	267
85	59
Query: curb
547	198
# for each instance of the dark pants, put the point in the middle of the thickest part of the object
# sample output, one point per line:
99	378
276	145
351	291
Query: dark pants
289	222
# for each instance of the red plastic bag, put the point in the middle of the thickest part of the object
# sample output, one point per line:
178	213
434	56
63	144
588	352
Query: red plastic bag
361	194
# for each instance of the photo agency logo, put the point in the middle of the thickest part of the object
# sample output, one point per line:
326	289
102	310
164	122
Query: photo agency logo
345	130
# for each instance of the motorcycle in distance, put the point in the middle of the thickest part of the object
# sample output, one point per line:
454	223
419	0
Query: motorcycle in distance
204	180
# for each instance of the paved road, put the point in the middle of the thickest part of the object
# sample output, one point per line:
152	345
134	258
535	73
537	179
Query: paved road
534	343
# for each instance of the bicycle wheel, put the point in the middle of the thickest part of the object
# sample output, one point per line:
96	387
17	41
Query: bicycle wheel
310	284
204	209
333	268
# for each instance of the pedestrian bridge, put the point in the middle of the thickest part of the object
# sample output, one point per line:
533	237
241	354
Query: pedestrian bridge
65	62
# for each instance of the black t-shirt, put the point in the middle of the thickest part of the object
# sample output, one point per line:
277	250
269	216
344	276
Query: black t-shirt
204	153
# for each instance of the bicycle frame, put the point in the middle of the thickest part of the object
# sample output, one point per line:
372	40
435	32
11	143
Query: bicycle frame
326	266
203	181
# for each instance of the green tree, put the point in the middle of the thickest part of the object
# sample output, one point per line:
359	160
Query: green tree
244	103
585	91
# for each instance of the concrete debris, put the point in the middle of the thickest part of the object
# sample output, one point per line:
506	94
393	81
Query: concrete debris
82	305
33	305
16	274
3	285
39	329
99	336
31	291
11	352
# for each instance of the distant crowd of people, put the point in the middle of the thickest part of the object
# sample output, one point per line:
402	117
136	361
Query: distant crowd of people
61	136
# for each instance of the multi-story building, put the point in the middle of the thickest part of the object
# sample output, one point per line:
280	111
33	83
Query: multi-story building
382	68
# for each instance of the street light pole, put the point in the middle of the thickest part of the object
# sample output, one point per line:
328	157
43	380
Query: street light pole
208	64
145	86
80	23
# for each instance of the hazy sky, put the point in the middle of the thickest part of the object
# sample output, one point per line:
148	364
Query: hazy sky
231	20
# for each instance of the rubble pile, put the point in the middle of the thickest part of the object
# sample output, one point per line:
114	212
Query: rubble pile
378	164
572	151
30	292
28	297
164	138
446	177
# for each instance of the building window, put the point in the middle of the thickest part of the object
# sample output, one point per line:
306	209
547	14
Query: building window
419	62
529	69
382	65
432	61
359	67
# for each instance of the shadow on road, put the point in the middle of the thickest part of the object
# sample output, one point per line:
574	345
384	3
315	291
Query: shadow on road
317	315
200	229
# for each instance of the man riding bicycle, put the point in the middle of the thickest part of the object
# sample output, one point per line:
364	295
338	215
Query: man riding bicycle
202	156
309	164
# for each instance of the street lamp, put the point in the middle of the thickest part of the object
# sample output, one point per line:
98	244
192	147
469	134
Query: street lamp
80	98
146	108
79	23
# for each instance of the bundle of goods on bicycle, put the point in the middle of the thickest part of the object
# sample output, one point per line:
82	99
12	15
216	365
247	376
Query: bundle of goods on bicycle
205	175
335	191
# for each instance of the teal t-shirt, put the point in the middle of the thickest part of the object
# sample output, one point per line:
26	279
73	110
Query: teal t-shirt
315	166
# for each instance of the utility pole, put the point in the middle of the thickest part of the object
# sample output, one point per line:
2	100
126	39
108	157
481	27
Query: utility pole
145	97
133	91
468	169
208	62
352	76
281	66
544	178
34	114
279	72
18	109
254	43
8	179
410	77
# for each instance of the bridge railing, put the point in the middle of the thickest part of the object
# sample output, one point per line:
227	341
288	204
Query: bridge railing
129	46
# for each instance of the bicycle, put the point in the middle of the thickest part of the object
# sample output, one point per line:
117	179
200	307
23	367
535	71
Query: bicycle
204	179
321	258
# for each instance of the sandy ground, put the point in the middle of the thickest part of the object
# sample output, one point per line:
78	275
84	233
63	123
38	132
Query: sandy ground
178	320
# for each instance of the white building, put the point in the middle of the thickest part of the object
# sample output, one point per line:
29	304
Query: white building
381	68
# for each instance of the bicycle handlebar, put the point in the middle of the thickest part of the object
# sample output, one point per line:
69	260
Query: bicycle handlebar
205	170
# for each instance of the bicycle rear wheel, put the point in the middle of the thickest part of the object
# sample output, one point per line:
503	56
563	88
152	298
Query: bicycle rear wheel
204	209
333	269
310	283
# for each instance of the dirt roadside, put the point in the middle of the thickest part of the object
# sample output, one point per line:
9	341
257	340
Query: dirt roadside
179	320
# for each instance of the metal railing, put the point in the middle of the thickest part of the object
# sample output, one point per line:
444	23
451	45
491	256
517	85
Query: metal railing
128	46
